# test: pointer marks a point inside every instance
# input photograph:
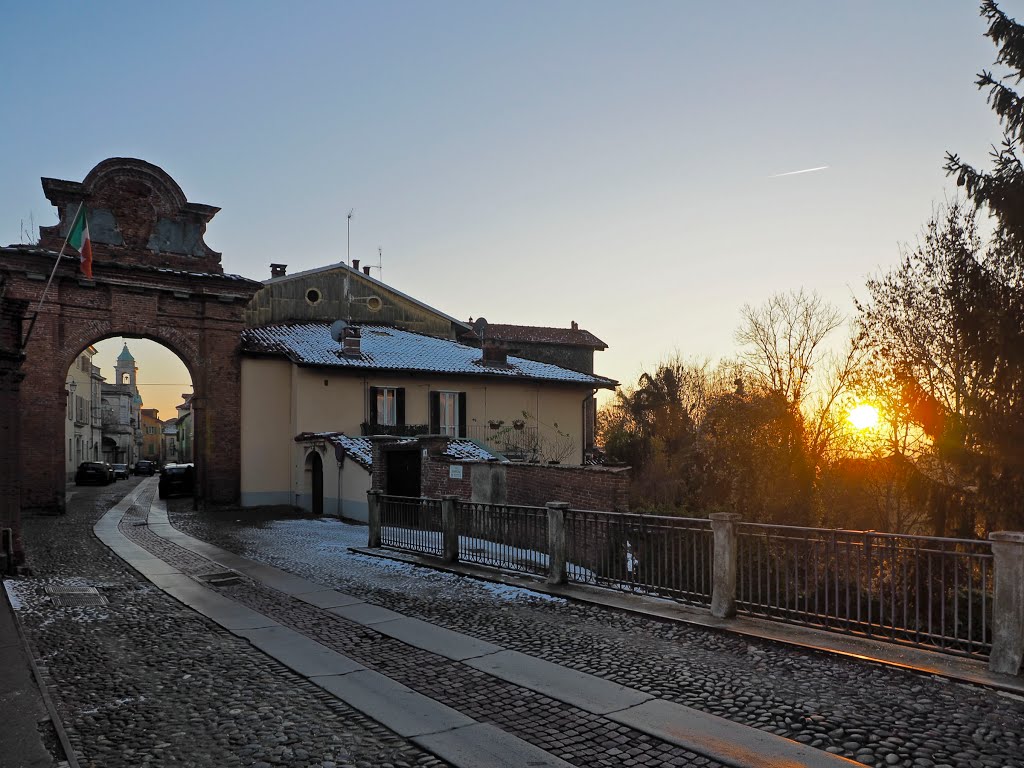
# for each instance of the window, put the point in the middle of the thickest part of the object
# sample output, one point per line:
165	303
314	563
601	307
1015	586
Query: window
126	378
387	406
448	413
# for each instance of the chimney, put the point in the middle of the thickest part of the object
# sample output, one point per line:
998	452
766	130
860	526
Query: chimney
494	353
278	270
574	326
355	264
350	342
366	271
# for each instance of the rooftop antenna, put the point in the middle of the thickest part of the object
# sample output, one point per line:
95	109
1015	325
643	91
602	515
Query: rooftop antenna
348	245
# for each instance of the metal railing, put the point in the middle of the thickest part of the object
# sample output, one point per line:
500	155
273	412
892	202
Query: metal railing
917	590
646	554
516	443
503	536
934	593
411	524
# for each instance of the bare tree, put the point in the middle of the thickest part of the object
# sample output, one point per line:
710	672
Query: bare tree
782	341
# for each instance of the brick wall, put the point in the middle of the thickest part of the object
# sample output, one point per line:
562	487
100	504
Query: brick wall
11	315
595	488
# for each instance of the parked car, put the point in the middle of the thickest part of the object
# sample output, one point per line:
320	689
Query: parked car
120	471
93	473
144	467
177	480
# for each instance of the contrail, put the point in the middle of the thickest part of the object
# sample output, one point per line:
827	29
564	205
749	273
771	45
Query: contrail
794	173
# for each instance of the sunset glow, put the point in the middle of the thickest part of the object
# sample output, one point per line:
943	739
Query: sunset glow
863	416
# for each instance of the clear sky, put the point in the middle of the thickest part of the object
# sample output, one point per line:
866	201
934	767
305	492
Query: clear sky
530	162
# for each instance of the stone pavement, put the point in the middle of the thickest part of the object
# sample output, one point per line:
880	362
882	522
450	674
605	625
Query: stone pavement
483	673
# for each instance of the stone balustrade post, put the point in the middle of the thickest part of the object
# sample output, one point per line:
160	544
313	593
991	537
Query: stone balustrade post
556	542
373	500
450	527
1007	602
723	576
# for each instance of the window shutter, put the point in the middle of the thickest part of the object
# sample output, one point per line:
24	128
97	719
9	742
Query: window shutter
462	414
434	399
400	406
373	405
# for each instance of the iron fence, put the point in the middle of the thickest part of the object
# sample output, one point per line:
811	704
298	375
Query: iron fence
411	524
503	536
924	591
645	554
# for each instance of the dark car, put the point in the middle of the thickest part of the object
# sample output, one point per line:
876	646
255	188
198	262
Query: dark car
120	471
144	467
177	480
93	473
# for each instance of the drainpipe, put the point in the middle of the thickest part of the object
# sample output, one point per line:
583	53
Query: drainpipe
583	421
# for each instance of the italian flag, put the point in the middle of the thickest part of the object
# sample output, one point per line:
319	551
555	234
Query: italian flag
78	238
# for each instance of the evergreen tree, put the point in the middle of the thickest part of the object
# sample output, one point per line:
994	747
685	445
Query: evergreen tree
1002	189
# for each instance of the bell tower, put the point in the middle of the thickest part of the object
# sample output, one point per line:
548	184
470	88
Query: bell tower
125	370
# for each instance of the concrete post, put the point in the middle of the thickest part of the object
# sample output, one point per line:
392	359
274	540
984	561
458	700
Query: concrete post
1007	602
723	575
556	542
373	500
450	527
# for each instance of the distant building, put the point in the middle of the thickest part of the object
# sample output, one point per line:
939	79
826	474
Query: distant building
152	435
169	452
185	431
122	406
83	426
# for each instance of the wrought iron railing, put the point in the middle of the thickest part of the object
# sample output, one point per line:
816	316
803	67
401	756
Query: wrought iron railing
935	593
395	430
917	590
504	536
411	524
646	554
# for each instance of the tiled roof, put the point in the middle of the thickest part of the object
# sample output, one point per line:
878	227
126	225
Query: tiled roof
463	448
360	449
537	334
390	349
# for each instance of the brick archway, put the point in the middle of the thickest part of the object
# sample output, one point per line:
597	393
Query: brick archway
153	277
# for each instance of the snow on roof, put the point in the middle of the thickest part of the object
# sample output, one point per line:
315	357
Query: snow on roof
391	349
463	448
360	449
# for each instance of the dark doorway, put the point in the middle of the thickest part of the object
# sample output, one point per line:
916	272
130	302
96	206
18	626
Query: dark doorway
402	477
317	483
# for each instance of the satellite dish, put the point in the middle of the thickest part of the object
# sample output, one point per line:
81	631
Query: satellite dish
338	330
480	326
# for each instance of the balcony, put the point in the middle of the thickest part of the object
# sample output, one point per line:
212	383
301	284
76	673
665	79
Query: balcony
395	430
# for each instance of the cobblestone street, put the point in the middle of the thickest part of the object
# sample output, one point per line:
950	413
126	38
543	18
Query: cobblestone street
143	680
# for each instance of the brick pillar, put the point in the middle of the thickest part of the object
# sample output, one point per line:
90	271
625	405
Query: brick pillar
556	542
450	527
10	478
12	313
379	465
723	579
1007	602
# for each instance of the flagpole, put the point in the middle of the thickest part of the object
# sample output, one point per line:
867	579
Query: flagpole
60	255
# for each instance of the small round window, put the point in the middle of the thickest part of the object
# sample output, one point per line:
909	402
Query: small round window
313	296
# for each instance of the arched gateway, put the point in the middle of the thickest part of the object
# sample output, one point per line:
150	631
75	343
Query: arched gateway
154	278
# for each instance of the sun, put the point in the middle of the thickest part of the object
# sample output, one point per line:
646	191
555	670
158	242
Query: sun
863	416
